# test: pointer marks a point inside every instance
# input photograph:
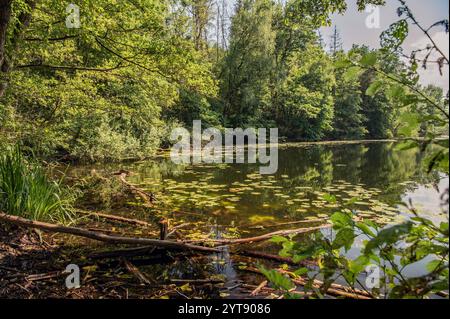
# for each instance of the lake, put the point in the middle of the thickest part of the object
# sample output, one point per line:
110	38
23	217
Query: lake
372	179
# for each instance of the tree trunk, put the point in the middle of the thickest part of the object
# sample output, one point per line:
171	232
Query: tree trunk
5	17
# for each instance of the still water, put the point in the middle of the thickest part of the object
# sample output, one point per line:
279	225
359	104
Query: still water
234	200
379	175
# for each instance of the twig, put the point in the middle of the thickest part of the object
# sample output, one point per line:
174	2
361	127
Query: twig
135	271
258	289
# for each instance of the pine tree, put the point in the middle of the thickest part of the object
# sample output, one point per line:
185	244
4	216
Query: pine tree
336	42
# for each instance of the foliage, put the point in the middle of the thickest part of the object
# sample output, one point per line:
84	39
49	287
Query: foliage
395	248
26	190
391	249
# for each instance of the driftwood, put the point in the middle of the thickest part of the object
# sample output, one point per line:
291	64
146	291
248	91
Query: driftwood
103	237
116	218
216	242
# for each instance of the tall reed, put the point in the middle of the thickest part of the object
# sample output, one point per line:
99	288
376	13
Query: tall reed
27	191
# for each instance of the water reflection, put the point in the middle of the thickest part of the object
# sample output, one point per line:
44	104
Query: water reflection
378	175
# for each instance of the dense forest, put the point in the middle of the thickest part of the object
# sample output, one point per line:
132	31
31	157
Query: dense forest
113	88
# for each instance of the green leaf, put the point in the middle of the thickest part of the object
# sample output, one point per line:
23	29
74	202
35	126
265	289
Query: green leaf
352	73
341	220
301	271
370	59
329	198
433	265
358	265
344	238
374	87
278	239
365	229
388	236
278	280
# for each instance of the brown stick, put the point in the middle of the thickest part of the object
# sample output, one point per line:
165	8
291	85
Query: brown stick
306	221
116	218
334	286
148	198
334	290
258	289
268	290
287	260
163	228
196	281
102	237
37	277
136	272
259	238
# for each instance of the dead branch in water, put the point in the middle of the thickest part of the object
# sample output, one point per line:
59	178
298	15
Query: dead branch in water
261	255
306	221
147	197
116	218
103	237
216	242
136	272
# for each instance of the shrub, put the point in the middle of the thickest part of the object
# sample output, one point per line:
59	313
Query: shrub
26	190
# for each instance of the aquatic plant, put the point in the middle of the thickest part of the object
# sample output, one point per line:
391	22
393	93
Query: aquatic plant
27	191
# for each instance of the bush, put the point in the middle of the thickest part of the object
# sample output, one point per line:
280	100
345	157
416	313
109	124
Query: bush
26	191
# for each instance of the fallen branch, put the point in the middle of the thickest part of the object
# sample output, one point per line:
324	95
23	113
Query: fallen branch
259	238
136	272
147	197
306	221
258	289
197	281
333	290
103	237
267	291
116	218
51	275
261	255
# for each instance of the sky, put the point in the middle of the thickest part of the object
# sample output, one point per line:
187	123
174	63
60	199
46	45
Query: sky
353	30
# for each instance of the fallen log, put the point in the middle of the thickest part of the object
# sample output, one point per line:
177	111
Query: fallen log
103	237
258	238
116	218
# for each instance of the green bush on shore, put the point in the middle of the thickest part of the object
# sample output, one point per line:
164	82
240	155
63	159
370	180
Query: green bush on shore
27	191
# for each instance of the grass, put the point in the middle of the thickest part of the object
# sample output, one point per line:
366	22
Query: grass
27	191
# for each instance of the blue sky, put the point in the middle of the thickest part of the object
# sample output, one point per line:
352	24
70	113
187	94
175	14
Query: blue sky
353	29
